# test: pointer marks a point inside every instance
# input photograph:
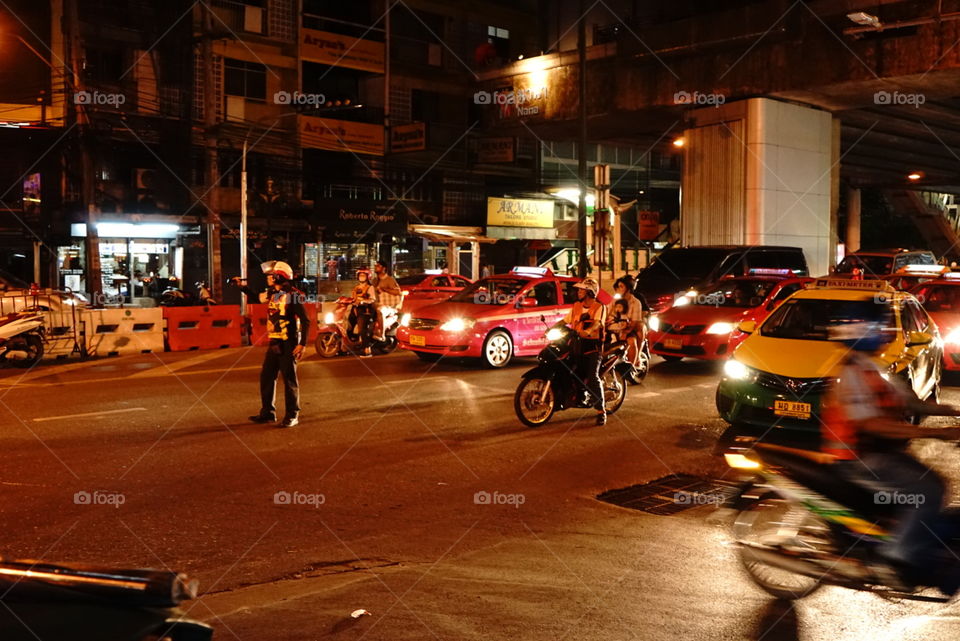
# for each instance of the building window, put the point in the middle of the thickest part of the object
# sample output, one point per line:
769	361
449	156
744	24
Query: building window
103	66
247	79
497	32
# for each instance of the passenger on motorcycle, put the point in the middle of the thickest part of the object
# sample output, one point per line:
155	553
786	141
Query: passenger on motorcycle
588	319
389	297
865	429
634	330
363	308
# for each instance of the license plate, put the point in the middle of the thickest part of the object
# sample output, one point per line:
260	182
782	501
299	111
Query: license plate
673	343
791	409
418	340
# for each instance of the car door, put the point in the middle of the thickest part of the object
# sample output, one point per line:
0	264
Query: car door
777	295
924	358
530	327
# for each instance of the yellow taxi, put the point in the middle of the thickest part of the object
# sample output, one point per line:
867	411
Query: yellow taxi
777	376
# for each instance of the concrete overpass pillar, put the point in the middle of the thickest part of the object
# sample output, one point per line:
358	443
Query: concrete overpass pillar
853	220
759	172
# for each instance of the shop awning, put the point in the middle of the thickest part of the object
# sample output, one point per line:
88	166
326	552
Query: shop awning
451	234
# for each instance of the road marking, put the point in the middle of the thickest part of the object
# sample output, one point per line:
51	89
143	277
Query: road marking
676	389
707	385
87	414
646	394
169	368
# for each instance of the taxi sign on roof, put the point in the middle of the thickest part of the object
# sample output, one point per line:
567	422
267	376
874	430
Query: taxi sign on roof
536	272
922	269
770	271
952	276
843	283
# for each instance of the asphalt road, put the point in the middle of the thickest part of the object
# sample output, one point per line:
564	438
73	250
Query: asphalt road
370	503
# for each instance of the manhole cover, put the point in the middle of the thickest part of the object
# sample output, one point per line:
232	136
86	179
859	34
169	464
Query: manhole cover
671	494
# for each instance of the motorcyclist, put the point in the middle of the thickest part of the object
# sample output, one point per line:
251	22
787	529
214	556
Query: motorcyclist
361	311
287	329
864	427
588	319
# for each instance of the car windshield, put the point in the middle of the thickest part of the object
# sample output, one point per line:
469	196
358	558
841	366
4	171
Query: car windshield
682	263
415	279
736	293
490	291
811	318
872	265
940	298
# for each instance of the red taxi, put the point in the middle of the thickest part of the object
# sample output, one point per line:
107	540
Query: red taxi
429	287
941	299
704	325
494	319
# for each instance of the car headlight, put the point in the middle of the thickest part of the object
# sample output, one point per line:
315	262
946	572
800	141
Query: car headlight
720	328
555	334
328	318
405	320
953	336
737	371
654	323
458	324
682	300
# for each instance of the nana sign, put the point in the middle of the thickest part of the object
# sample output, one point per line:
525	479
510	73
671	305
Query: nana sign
519	212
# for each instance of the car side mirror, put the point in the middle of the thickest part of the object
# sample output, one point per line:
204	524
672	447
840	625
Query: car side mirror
747	327
528	302
919	338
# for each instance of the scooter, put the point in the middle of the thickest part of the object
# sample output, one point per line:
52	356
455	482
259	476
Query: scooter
173	297
555	385
76	603
335	337
21	338
798	528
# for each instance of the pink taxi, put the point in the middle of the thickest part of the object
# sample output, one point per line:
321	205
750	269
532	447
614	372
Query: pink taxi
494	319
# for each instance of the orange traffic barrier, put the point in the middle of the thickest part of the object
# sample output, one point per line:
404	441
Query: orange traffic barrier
214	327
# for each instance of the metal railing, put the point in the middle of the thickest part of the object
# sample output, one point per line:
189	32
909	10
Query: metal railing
63	329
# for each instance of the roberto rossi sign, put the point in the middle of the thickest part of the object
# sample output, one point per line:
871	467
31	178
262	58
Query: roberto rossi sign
338	50
519	212
359	219
341	135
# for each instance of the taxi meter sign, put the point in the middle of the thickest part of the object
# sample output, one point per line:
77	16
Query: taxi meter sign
862	285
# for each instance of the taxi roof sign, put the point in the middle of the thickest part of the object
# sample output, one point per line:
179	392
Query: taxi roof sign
952	276
923	269
770	271
843	283
536	272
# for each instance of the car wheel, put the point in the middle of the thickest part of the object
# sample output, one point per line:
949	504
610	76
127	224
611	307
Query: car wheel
497	349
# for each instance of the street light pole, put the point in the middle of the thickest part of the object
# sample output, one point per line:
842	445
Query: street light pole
243	226
584	267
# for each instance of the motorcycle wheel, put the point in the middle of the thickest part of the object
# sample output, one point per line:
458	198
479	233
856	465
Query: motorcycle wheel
773	522
328	344
385	346
532	410
614	390
32	345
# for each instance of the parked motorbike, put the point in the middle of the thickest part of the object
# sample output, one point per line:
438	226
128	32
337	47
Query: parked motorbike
555	385
76	603
21	338
798	528
335	337
173	297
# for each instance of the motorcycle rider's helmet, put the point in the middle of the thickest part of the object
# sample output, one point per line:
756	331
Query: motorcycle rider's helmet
589	284
278	269
859	335
363	271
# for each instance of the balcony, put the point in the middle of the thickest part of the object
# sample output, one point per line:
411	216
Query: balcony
238	18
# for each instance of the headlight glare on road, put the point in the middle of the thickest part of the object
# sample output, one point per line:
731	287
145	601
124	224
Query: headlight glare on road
720	328
405	320
555	334
654	323
736	370
328	318
458	324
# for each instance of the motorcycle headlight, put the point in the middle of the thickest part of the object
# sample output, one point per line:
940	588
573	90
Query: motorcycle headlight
458	324
555	334
405	320
720	328
329	318
737	371
654	323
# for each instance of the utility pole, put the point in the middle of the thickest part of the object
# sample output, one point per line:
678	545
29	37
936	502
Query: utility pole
81	118
214	267
582	146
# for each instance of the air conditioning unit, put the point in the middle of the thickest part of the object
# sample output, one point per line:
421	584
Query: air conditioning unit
236	108
253	19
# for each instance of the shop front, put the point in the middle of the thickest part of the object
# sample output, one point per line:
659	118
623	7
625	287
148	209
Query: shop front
137	260
355	234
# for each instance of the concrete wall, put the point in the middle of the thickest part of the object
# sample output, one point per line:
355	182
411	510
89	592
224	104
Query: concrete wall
760	171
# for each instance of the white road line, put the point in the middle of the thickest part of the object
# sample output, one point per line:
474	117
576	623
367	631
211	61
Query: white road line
169	368
86	414
707	385
646	395
676	389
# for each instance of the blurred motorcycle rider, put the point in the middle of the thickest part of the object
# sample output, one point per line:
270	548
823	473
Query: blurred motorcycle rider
864	427
364	298
287	329
389	296
588	319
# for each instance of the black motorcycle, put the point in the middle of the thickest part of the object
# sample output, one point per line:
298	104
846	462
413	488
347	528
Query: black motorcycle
797	528
554	383
77	603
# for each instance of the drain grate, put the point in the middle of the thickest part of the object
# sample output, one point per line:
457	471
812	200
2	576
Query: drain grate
671	494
